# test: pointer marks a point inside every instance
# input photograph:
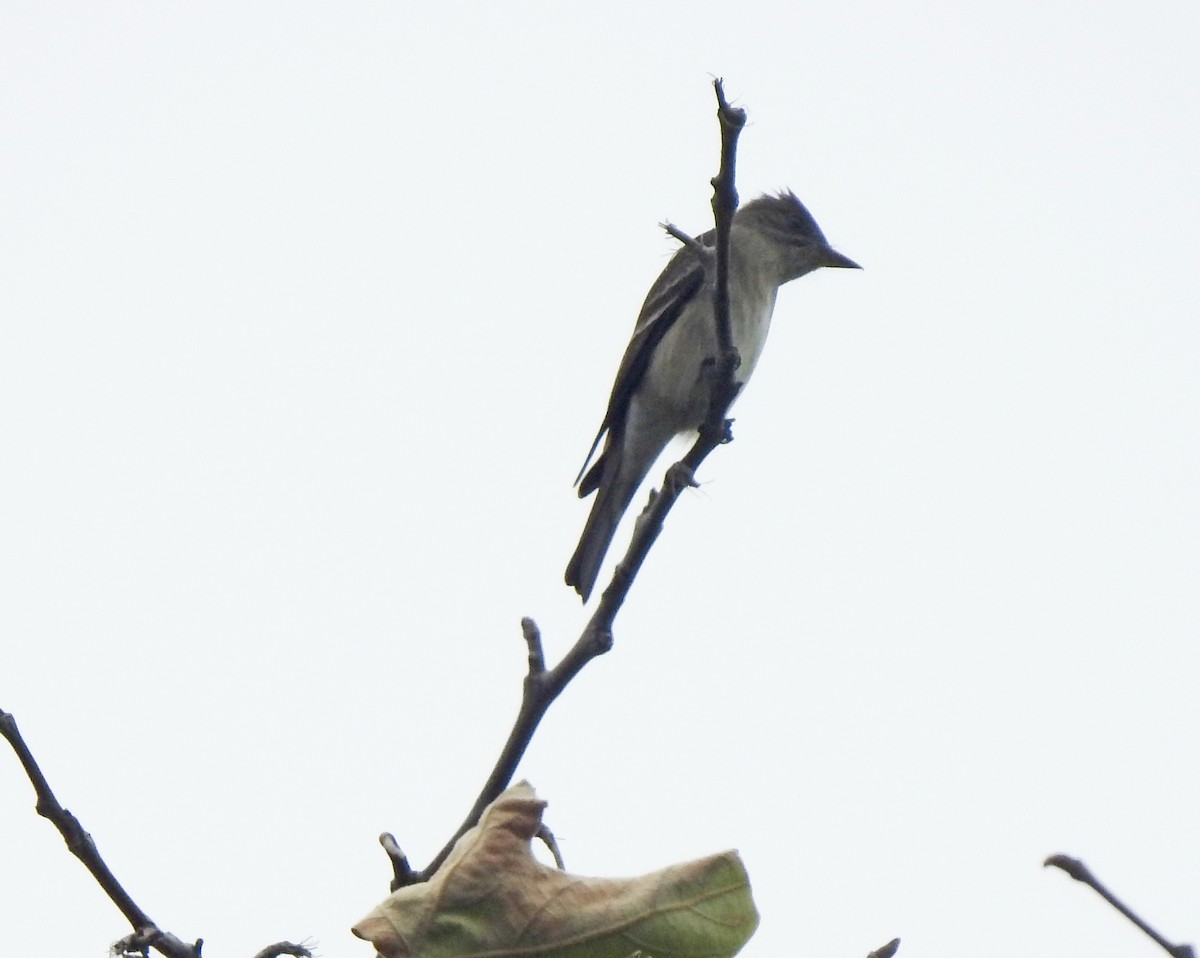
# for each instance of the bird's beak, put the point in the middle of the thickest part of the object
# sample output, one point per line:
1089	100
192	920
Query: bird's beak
835	259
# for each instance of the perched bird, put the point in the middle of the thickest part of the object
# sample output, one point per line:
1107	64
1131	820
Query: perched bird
664	383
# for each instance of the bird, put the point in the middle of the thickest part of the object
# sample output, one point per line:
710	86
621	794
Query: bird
664	384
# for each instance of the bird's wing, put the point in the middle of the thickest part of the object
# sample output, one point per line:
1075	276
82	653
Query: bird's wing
671	292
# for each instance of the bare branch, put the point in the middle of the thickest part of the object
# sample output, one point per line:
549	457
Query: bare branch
146	933
1081	873
543	686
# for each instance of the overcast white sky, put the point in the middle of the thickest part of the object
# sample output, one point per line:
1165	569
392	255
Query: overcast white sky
310	312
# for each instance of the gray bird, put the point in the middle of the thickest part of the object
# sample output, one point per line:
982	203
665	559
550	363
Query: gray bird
664	384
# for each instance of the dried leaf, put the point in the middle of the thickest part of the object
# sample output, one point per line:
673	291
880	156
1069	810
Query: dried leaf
493	898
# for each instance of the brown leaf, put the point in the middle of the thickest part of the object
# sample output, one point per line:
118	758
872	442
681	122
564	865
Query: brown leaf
492	898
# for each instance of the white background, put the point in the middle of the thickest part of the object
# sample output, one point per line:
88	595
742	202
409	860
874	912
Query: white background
309	313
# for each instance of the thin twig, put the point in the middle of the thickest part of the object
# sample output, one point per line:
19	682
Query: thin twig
706	254
1081	873
146	933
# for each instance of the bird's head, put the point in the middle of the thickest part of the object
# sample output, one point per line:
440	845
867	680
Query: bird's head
793	234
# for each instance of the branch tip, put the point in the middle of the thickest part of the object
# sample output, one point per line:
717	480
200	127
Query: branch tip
402	873
706	254
551	843
732	116
887	951
533	639
1072	866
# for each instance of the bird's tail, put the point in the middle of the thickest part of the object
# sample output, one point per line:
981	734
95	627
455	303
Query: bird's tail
612	499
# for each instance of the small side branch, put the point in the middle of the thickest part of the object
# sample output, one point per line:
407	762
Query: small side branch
706	254
402	873
551	843
1081	873
533	641
542	686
